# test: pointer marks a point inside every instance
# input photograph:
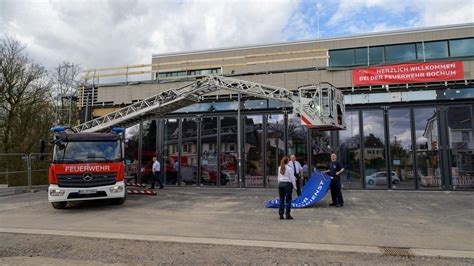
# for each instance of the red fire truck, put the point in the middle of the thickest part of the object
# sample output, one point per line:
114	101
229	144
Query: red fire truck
86	166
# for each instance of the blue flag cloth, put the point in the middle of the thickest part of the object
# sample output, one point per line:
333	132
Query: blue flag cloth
314	191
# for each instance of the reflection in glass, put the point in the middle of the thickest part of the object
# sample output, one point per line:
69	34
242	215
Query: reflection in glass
148	148
170	152
297	138
461	146
432	50
253	151
462	47
131	152
189	152
361	56
400	52
349	151
344	57
427	158
374	149
228	155
401	160
376	55
209	173
320	152
275	147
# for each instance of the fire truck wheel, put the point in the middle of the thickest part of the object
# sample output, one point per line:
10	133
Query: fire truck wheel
59	205
118	201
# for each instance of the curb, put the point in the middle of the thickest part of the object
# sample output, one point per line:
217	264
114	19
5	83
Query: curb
241	242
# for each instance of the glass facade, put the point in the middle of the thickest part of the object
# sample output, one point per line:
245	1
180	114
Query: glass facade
461	146
132	138
405	52
404	141
349	151
148	149
427	154
432	50
374	149
170	152
400	148
228	151
400	52
297	136
209	174
188	163
275	146
253	151
463	47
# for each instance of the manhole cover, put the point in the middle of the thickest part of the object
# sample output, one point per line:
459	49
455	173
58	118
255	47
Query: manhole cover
393	251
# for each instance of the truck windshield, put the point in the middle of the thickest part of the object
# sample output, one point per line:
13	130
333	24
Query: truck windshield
87	151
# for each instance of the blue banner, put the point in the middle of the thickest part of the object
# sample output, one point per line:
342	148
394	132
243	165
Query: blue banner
314	191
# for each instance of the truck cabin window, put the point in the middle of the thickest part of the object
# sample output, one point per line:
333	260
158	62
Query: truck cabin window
87	151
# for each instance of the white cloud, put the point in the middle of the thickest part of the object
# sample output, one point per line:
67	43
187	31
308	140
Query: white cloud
354	14
109	33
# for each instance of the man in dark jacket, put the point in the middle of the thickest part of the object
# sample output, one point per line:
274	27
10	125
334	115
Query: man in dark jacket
335	170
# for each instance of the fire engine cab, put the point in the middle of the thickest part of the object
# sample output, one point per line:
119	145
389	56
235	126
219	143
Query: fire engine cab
86	166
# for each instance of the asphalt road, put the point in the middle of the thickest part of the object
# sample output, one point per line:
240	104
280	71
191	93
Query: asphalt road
417	220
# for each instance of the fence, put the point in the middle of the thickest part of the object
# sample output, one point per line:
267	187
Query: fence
23	169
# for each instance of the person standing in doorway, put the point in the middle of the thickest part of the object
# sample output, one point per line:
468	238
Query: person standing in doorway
156	168
297	172
335	170
286	184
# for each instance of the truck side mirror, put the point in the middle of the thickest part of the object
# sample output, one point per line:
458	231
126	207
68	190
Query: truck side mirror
42	149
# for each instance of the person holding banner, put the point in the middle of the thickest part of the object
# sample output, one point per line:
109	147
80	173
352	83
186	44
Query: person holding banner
335	169
286	184
297	172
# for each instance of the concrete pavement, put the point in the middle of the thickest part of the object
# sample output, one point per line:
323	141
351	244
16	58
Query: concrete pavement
425	222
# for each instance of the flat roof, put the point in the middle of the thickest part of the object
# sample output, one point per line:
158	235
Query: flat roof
365	35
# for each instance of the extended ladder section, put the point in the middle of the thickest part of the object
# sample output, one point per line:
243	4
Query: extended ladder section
174	99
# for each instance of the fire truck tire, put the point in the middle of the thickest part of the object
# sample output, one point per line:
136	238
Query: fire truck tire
59	205
118	201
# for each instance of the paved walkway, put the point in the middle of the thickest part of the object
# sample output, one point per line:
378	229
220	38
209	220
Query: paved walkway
422	221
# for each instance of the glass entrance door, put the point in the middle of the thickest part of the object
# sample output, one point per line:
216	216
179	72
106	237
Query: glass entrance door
374	150
228	152
461	146
209	155
400	148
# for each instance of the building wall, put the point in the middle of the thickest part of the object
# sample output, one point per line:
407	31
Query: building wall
302	63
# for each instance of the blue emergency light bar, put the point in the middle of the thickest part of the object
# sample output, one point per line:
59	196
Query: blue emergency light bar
117	130
57	129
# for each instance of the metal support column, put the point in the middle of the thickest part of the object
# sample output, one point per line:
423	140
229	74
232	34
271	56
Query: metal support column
264	150
413	146
239	141
219	148
140	145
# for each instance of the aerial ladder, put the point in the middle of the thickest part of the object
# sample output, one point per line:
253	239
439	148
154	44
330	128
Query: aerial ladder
319	106
88	159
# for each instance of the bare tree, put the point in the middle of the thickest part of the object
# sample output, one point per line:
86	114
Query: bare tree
65	93
25	103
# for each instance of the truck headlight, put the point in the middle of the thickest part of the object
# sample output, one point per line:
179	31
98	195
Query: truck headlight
56	192
116	189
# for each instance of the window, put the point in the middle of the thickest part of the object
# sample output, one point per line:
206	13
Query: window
432	50
189	73
376	55
341	57
400	52
361	56
464	47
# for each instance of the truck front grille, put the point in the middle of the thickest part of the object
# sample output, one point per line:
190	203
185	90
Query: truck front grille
78	180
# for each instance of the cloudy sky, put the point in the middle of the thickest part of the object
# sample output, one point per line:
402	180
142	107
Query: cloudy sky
111	33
